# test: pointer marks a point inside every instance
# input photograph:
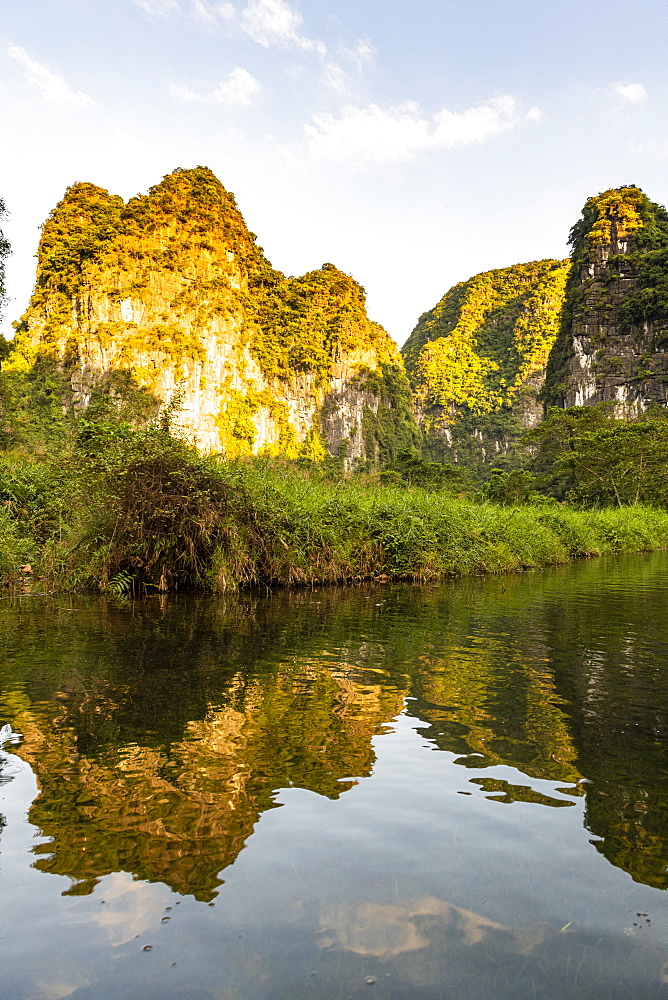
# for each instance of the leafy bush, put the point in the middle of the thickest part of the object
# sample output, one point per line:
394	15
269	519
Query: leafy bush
410	469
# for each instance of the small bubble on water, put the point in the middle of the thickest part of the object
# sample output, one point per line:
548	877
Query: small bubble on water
370	980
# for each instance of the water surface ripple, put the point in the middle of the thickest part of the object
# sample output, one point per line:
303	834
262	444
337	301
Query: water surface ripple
455	792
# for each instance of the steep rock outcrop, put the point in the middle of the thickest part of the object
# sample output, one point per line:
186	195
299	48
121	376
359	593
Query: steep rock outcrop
613	341
477	360
173	289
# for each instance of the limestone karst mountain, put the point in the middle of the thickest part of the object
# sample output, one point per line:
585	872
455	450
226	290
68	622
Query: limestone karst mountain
498	348
614	330
172	288
477	360
171	291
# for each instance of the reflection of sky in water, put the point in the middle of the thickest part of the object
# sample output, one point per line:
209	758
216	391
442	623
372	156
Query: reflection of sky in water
336	892
439	790
129	909
387	931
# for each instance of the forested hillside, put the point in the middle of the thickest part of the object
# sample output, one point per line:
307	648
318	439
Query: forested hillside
477	360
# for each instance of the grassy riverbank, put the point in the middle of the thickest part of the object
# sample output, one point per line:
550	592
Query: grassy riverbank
141	511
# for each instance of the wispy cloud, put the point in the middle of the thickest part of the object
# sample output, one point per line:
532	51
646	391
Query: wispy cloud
204	13
213	13
270	24
275	22
402	131
157	8
355	58
361	53
238	89
632	93
52	86
336	77
208	11
267	22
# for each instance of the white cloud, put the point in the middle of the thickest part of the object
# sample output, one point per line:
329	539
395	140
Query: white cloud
335	76
183	93
238	89
373	134
53	87
275	22
204	13
212	13
634	93
267	22
362	52
157	8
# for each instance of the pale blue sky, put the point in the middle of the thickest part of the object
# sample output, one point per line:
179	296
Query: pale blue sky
412	144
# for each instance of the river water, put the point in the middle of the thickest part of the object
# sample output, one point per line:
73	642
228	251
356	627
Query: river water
457	792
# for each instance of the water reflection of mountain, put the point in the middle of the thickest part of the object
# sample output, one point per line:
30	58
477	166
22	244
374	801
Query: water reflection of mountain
181	813
587	653
159	736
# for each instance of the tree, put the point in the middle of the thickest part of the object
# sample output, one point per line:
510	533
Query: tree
553	442
4	252
623	464
584	454
512	487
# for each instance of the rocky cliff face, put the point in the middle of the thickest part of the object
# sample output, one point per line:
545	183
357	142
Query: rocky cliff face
613	341
477	360
172	290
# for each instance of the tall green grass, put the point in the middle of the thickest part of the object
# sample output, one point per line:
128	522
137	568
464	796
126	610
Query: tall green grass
319	532
158	516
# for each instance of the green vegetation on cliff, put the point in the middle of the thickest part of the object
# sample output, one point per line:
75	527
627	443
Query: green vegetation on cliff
306	324
390	427
91	231
188	226
618	215
476	359
486	336
648	302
